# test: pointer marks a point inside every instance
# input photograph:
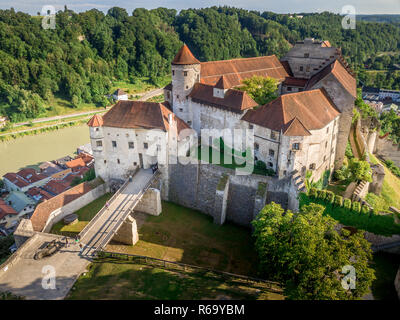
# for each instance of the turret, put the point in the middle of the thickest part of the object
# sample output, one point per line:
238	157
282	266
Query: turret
185	73
96	134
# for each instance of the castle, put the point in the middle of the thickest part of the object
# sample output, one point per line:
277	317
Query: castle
305	129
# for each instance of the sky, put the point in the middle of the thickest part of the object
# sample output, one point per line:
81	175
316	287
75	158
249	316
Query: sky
282	6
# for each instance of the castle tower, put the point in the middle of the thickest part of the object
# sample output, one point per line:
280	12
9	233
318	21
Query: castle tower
97	141
185	73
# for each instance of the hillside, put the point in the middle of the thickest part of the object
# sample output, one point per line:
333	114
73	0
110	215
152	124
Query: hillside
87	52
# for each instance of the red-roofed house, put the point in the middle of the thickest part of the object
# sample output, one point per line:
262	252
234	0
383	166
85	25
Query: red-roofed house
7	215
24	179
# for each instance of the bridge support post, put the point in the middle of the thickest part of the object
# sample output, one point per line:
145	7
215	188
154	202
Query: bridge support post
127	233
150	202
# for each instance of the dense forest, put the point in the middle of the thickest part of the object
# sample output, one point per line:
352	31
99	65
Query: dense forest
87	51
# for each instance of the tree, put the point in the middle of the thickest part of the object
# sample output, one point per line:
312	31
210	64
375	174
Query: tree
359	170
306	254
261	89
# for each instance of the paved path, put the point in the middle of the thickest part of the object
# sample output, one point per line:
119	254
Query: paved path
24	276
103	226
72	115
151	94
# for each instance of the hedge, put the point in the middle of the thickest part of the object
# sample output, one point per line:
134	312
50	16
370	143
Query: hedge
367	220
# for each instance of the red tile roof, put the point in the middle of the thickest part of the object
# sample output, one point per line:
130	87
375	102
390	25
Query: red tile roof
24	177
43	210
95	121
235	100
236	70
15	179
141	114
340	73
295	113
295	82
5	209
38	191
119	92
76	163
223	83
185	56
56	186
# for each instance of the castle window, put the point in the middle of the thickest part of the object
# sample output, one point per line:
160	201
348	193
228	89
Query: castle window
270	164
326	144
301	68
187	87
189	122
251	126
312	166
273	135
271	152
180	109
306	55
256	146
99	144
145	145
185	73
296	146
131	145
114	144
97	129
173	72
135	164
324	158
118	161
105	161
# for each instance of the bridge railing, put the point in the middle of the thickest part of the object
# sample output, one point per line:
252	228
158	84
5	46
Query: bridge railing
108	237
173	265
103	209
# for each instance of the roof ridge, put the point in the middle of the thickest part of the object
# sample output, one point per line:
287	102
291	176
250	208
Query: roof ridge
246	58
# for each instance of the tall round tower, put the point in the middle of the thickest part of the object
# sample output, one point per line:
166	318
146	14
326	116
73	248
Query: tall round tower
98	146
185	73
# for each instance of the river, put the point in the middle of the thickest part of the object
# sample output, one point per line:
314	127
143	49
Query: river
32	150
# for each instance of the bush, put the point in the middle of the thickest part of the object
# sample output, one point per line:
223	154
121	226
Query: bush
260	165
321	194
356	207
338	201
313	193
347	204
365	209
330	197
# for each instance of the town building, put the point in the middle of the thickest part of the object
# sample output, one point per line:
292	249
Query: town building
120	94
24	179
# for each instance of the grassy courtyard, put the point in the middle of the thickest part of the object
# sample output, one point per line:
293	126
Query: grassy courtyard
113	279
182	235
187	236
85	214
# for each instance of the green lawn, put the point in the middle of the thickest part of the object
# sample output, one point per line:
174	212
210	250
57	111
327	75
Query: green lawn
188	236
386	266
113	279
391	186
85	214
141	84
